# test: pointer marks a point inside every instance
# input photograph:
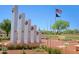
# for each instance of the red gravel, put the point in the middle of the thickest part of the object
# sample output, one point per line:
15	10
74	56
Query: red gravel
70	49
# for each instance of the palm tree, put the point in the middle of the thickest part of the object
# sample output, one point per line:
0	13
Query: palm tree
6	26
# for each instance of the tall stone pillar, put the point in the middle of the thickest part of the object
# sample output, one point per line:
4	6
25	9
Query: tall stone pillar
27	31
33	34
14	24
21	25
38	37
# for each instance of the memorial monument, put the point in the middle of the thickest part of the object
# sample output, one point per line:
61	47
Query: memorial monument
22	30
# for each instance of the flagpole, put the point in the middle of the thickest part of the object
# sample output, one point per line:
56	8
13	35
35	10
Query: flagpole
55	14
49	41
55	18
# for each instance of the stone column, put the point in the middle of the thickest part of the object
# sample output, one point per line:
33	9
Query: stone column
14	25
27	31
38	37
21	28
33	34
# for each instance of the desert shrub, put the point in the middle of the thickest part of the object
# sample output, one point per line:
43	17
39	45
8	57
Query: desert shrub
32	46
1	38
44	47
51	50
16	47
39	50
4	38
11	47
19	46
54	51
23	51
4	50
61	37
67	39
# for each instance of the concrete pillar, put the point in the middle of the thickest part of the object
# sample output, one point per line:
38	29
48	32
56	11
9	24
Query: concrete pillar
38	37
14	25
21	25
27	31
33	34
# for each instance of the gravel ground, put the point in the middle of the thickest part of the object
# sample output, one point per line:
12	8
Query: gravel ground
69	49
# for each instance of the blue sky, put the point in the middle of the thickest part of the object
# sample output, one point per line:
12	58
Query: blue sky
44	15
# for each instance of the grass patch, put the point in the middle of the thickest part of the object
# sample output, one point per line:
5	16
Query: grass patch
51	50
54	51
63	37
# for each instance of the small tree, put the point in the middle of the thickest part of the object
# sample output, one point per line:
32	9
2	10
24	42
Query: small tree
6	26
68	31
60	25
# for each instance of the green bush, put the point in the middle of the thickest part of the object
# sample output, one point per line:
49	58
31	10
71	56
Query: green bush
67	39
44	47
54	51
4	50
4	38
23	51
16	47
39	50
11	47
51	50
19	46
32	47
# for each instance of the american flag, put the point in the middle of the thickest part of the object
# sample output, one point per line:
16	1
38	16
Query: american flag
58	11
